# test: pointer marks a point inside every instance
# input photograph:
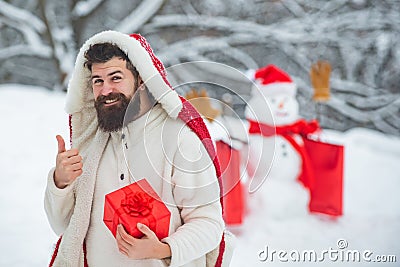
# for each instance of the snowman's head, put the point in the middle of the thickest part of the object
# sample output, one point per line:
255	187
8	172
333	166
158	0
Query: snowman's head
284	109
273	99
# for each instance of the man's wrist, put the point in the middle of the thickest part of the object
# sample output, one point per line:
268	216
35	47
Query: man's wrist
163	251
57	183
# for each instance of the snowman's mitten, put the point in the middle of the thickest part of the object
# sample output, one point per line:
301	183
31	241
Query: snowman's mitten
320	74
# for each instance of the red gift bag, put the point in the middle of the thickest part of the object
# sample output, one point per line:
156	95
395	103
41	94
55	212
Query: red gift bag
136	203
326	163
233	199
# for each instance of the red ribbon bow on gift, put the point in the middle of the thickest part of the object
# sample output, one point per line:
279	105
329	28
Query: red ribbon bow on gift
300	127
137	205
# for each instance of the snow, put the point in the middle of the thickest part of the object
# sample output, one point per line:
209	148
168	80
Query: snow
32	116
371	218
30	119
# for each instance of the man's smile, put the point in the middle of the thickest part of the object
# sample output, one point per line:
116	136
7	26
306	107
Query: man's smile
110	102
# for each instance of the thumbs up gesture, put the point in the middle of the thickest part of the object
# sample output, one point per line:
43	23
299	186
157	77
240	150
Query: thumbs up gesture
68	165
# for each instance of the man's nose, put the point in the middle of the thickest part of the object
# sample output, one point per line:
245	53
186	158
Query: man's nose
107	88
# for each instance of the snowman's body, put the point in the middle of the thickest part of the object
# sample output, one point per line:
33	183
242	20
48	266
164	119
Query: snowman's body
273	161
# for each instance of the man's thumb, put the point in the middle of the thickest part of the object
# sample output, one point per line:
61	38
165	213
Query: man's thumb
145	230
61	144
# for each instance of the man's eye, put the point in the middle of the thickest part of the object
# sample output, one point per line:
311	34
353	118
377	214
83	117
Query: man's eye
97	81
116	78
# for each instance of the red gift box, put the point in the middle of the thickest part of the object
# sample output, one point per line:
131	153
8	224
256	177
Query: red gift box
136	203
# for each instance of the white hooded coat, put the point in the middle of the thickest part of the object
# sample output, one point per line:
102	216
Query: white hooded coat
157	147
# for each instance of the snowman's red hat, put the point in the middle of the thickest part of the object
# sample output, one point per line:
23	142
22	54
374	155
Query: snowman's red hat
271	80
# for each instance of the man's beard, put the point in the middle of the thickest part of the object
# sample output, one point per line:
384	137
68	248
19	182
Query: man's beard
111	119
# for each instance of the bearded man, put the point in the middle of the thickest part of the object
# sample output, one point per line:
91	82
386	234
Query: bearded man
128	124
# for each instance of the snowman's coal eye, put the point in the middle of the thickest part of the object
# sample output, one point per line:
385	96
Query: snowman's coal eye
273	100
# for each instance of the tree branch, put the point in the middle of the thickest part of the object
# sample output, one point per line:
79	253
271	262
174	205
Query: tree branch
61	41
294	8
24	50
22	16
34	45
84	8
139	16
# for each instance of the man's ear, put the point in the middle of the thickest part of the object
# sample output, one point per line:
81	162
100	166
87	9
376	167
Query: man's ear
141	84
140	80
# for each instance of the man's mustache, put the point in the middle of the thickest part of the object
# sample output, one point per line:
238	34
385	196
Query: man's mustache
103	98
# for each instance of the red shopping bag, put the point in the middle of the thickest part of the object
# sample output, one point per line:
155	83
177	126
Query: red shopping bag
233	199
326	163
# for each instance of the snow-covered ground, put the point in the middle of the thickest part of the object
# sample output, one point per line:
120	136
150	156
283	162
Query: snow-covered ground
31	117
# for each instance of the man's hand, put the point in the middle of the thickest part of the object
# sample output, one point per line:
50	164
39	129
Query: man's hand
148	247
68	165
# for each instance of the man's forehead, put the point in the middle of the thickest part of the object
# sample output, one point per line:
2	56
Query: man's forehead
110	66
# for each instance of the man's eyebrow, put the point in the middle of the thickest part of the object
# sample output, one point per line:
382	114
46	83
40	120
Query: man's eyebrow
114	72
110	74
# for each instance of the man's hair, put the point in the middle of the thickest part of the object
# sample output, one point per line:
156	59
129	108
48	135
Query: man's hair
103	52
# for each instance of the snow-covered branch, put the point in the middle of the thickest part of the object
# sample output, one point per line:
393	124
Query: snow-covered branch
34	45
61	37
384	125
357	88
291	30
22	16
205	22
24	50
139	16
188	8
372	102
84	8
240	56
201	45
294	8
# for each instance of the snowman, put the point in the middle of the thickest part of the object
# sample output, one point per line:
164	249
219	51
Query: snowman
274	162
